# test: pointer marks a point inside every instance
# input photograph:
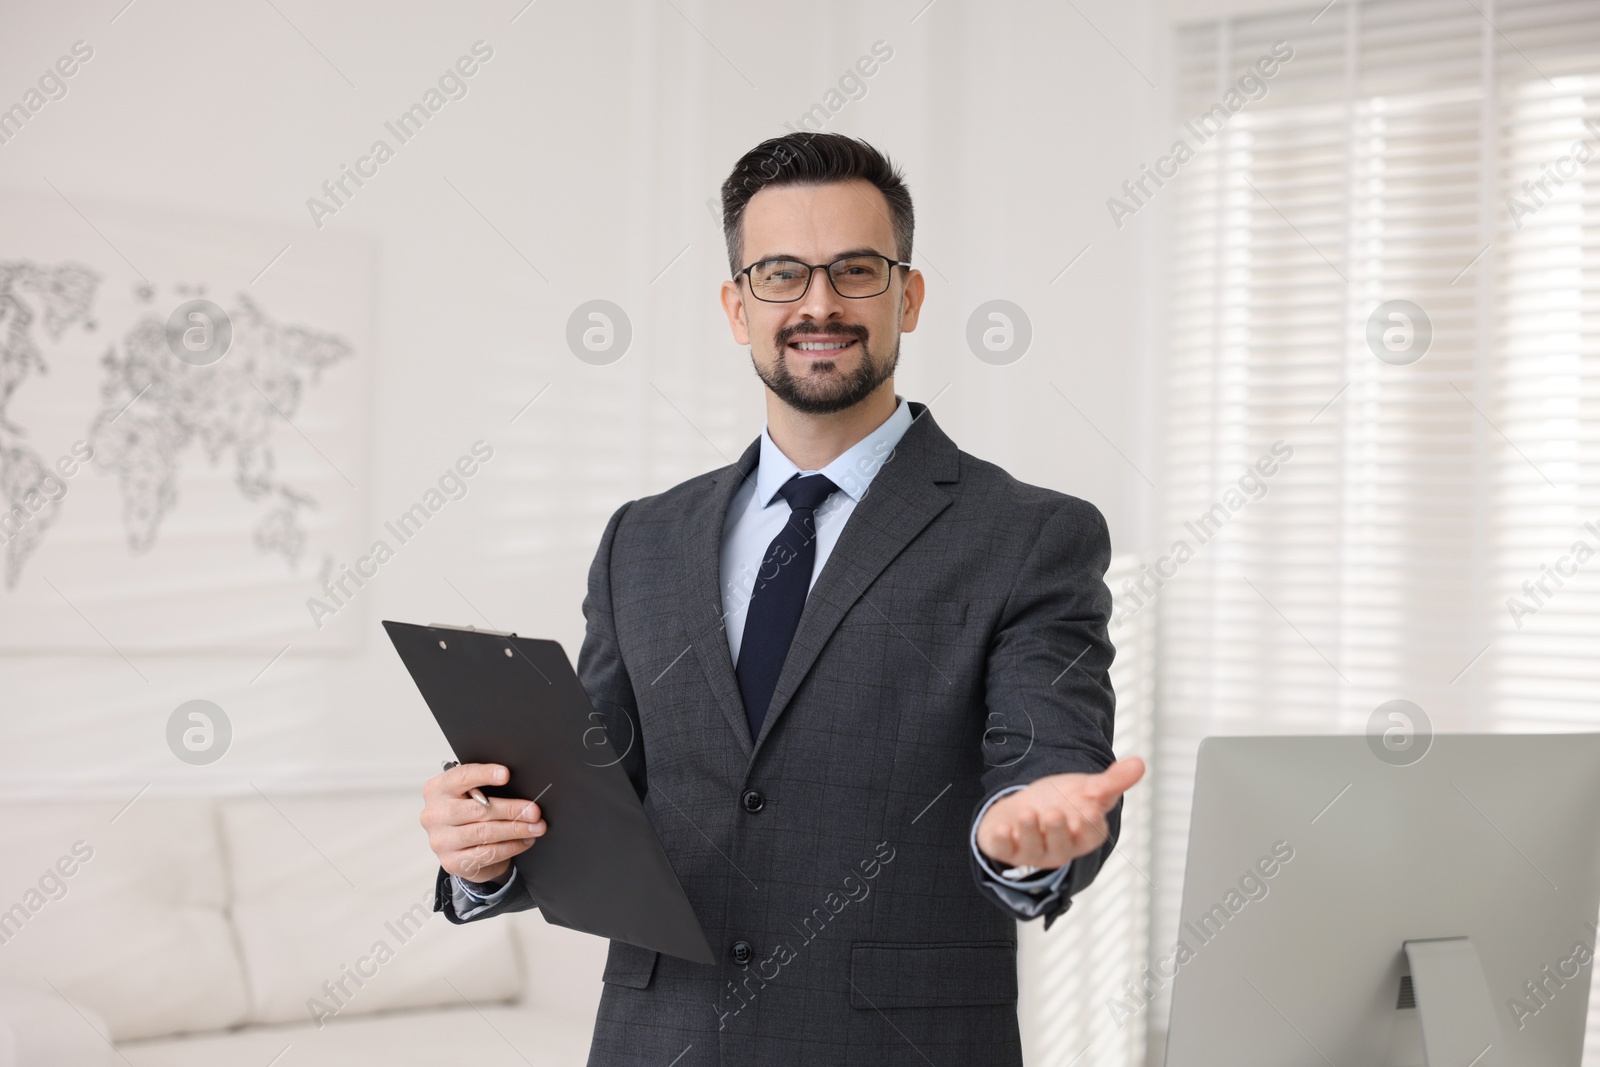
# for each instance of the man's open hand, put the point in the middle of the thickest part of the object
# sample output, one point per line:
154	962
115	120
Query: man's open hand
1056	818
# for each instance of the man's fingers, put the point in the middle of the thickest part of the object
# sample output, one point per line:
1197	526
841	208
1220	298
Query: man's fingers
1016	841
997	838
463	810
486	832
467	776
1030	836
1085	830
1060	828
1047	836
457	780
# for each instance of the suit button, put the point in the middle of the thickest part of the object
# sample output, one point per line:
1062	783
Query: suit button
754	801
741	952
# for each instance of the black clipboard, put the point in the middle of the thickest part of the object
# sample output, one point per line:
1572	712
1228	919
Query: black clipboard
516	701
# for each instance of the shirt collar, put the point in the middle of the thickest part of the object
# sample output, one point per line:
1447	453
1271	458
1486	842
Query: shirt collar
852	471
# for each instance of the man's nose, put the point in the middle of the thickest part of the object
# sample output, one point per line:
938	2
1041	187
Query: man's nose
820	301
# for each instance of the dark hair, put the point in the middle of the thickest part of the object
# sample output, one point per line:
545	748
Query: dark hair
808	158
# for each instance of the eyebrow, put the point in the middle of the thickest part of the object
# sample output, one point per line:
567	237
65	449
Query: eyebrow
862	251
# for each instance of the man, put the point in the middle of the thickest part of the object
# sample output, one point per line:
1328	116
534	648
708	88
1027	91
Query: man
860	678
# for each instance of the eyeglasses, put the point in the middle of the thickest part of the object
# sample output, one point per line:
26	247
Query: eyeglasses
783	281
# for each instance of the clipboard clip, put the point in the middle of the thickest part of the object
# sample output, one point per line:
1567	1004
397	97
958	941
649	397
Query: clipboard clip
470	629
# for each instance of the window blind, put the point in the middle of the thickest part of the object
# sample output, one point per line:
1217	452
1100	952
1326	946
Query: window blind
1418	535
1067	977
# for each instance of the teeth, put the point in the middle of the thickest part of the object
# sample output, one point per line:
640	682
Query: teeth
821	346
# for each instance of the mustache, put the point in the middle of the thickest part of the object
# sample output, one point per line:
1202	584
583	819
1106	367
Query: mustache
803	328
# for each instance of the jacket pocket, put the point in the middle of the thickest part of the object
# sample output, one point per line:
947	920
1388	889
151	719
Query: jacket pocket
629	965
876	612
890	974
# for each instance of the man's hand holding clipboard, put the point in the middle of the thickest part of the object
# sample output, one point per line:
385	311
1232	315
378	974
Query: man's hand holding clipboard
520	722
474	840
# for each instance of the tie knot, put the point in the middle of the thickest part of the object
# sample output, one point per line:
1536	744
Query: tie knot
806	493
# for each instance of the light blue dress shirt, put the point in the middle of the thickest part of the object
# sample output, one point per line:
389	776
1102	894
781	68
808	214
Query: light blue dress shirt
751	524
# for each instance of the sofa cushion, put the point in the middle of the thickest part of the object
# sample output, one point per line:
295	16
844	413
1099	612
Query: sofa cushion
45	1030
333	899
120	908
497	1036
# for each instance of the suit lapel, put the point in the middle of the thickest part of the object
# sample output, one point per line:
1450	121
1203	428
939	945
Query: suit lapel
701	584
900	501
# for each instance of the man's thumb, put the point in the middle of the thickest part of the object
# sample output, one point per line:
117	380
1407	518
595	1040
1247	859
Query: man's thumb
1119	778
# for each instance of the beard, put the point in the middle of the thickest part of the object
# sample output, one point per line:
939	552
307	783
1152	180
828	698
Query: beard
826	390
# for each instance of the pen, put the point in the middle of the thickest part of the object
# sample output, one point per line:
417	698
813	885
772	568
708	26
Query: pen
476	793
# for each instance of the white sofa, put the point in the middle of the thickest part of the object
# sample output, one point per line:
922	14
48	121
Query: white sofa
181	932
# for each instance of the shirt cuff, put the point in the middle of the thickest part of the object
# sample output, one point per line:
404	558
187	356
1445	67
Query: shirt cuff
470	898
1027	889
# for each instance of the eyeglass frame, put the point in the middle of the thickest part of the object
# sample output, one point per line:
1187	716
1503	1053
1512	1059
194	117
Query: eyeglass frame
812	268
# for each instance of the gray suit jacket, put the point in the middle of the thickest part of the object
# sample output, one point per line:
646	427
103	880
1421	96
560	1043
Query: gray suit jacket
955	643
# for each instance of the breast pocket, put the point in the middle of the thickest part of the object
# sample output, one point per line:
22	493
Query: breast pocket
912	641
886	614
888	974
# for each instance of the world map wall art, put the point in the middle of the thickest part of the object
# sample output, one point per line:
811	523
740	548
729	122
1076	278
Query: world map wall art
183	426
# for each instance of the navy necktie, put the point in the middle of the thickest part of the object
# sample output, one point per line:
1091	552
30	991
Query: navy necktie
779	596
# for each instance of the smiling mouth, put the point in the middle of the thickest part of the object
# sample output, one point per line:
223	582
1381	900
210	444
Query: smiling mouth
821	348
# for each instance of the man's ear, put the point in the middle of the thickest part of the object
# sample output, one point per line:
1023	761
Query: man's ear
738	315
911	297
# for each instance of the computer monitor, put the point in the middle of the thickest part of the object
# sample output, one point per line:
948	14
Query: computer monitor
1342	902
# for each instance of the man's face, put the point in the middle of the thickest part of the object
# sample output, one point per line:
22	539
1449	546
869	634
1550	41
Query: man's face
817	224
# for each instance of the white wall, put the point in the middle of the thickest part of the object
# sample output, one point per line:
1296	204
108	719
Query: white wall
1180	11
592	141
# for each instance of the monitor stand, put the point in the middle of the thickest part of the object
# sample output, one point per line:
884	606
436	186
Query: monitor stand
1459	1025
